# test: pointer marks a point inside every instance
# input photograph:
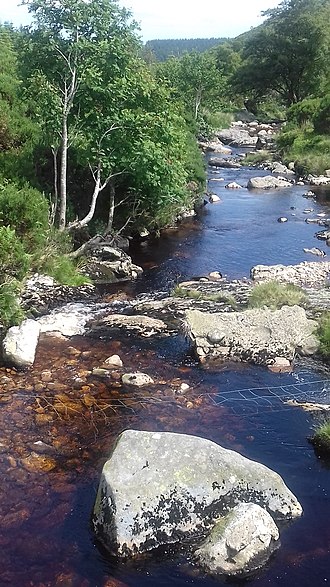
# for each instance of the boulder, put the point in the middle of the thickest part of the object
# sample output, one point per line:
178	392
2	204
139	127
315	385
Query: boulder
224	163
107	264
20	344
268	182
160	487
240	543
257	335
237	137
233	186
318	180
137	324
315	251
306	273
214	147
277	167
213	199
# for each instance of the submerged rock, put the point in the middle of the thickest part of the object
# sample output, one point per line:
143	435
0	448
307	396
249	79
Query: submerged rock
258	335
240	543
161	487
137	379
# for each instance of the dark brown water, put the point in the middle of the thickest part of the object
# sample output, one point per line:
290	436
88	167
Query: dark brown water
58	422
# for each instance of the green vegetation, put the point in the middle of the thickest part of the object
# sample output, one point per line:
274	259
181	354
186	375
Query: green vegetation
162	49
321	436
324	334
11	312
275	295
257	158
194	294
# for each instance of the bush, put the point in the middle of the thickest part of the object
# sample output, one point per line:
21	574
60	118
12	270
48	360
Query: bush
25	210
304	111
14	261
11	312
322	117
324	334
321	436
275	295
63	269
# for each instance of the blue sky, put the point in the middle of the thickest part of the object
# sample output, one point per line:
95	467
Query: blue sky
176	18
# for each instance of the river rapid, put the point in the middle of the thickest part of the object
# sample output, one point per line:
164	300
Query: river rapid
58	423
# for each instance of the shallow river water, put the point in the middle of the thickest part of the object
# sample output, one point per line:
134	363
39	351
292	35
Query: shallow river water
58	422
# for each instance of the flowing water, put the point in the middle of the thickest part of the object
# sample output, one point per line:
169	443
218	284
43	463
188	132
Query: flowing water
58	423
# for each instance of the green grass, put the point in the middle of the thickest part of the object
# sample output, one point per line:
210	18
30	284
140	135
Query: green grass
309	150
321	436
257	158
194	294
324	334
274	295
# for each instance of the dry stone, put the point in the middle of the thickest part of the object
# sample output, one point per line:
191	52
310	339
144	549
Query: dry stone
258	335
161	487
240	543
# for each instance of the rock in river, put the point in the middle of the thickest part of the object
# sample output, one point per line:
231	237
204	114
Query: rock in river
20	344
268	182
240	543
161	487
258	335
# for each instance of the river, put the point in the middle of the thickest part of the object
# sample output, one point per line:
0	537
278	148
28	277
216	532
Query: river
52	450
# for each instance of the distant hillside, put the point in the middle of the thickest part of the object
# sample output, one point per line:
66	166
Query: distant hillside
164	48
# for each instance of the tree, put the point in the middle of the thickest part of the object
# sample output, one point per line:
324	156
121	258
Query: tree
76	48
287	55
106	116
195	78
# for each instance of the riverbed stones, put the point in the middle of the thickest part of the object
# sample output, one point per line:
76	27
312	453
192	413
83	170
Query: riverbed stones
20	344
257	336
268	182
161	487
240	543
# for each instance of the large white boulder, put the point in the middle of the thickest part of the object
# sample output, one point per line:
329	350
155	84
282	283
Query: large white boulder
20	344
161	487
268	182
240	543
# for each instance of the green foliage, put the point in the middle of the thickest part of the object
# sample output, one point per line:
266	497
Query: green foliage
324	334
310	151
304	112
288	54
25	210
257	158
14	261
322	116
162	49
54	260
275	295
64	270
11	312
321	436
217	120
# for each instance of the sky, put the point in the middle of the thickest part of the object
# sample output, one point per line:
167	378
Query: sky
164	19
